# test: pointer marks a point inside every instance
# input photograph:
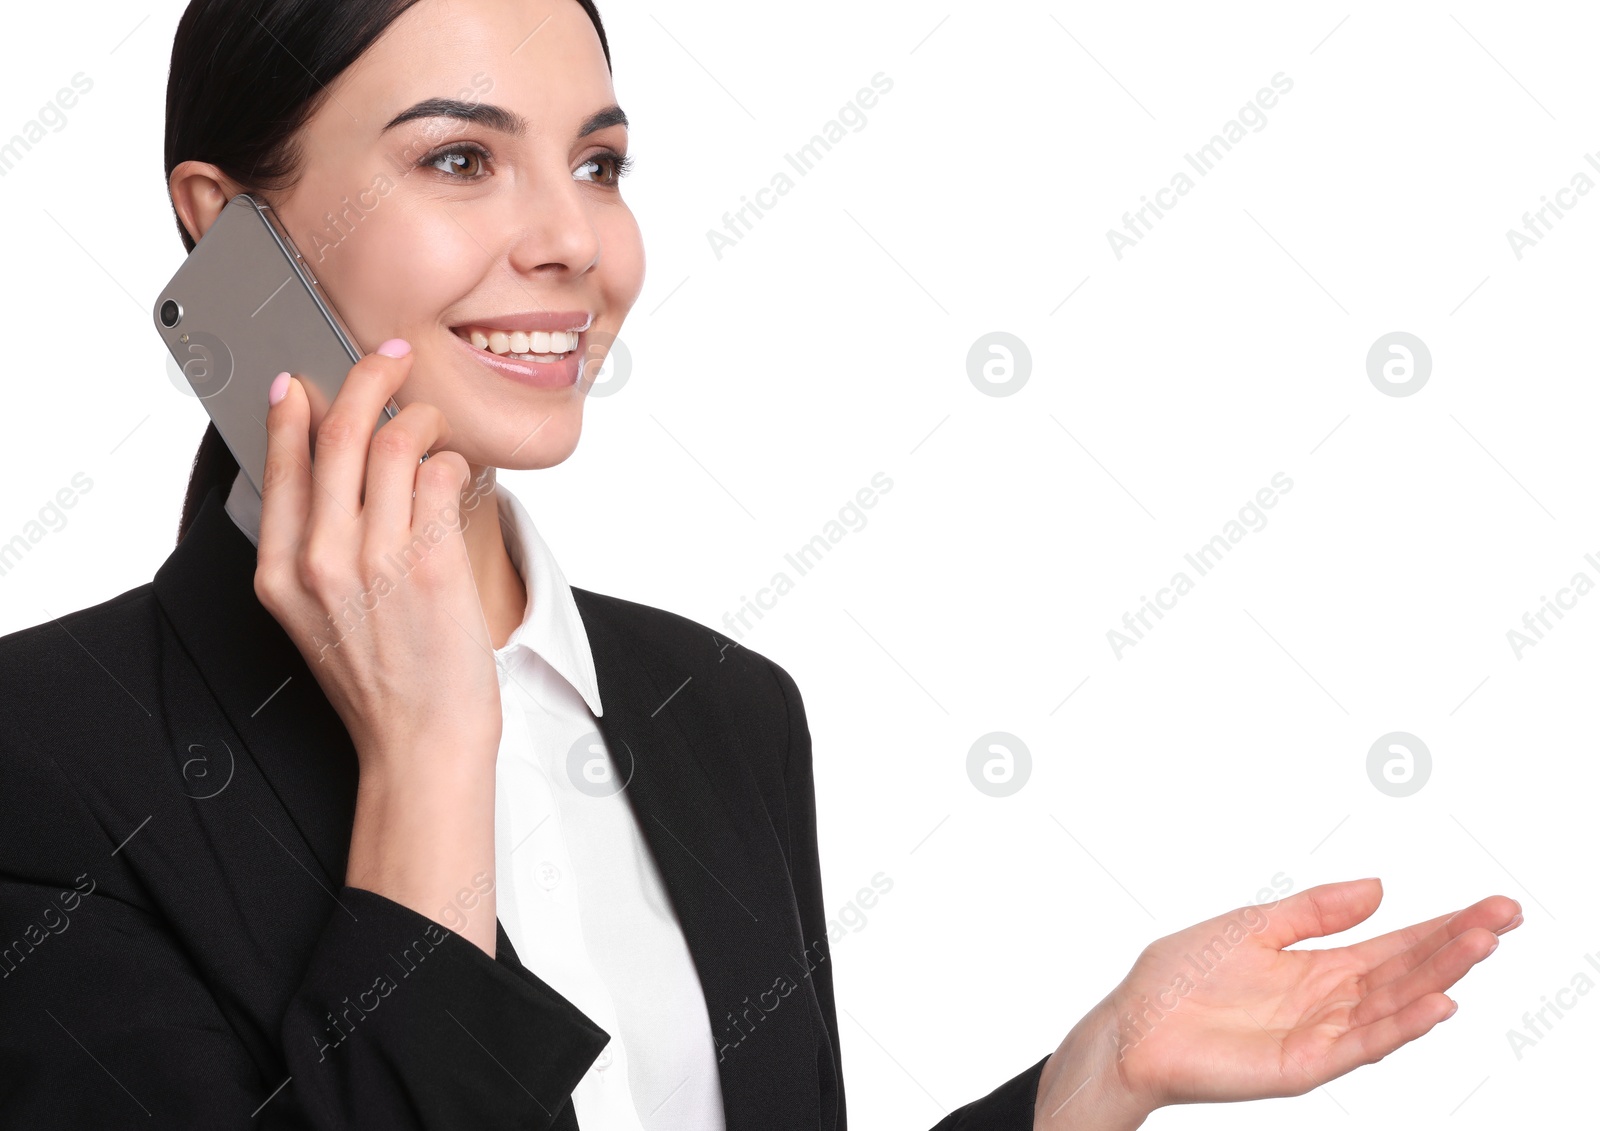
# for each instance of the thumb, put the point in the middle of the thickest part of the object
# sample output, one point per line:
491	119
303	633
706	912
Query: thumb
1325	909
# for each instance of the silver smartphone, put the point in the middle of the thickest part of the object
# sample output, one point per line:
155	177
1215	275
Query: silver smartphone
243	308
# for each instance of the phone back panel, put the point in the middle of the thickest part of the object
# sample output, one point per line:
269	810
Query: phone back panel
250	309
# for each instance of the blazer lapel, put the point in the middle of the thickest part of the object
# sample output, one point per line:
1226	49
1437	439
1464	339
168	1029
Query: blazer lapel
723	870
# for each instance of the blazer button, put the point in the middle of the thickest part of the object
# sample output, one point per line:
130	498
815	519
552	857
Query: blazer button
549	875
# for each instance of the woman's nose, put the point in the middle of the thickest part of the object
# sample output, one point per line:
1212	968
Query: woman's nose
555	227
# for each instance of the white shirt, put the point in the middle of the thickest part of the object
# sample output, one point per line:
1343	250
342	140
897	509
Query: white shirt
584	906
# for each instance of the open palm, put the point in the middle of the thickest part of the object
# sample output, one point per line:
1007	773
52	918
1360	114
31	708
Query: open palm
1220	1012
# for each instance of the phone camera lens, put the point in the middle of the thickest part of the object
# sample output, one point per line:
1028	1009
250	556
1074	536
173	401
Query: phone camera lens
170	313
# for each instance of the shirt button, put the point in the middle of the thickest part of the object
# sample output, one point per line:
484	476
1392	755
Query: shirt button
549	875
603	1061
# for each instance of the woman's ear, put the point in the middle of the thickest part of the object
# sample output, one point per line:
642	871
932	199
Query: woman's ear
199	191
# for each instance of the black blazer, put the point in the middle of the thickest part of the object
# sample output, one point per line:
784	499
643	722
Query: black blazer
180	948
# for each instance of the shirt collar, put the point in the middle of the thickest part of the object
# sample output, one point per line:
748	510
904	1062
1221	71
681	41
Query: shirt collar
551	626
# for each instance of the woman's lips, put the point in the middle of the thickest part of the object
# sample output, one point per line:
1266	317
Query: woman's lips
539	374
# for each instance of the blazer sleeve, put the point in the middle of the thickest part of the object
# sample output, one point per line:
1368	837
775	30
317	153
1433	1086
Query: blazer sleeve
105	1021
1010	1106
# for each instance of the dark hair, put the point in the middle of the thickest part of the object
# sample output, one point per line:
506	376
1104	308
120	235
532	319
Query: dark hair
245	76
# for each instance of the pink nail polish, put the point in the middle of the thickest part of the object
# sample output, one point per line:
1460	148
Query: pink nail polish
279	387
395	347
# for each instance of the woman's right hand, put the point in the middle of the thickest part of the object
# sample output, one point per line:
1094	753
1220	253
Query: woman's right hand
1222	1012
376	590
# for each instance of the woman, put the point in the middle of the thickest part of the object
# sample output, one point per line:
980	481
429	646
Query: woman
373	821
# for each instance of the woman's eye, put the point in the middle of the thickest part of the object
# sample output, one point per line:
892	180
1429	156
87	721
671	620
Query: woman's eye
614	166
461	164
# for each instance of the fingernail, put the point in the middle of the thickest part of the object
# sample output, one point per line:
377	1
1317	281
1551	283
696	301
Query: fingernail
1492	948
1511	924
279	387
395	347
1454	1005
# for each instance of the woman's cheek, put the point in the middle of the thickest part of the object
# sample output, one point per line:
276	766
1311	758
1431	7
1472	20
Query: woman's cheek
405	275
624	245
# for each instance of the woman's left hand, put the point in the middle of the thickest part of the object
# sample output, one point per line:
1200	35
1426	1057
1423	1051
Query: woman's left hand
1220	1012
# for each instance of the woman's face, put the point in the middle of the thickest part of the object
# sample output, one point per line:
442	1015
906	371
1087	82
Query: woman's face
444	229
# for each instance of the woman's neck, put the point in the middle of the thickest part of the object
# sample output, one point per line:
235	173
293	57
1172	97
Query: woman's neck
500	587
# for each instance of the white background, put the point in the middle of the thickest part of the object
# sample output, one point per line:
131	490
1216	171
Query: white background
768	386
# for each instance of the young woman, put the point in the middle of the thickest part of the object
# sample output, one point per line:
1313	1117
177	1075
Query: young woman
359	815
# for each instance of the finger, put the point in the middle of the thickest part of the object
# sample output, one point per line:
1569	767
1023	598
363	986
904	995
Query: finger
1418	941
339	456
1436	973
1325	909
1388	956
286	480
440	483
392	466
1372	1042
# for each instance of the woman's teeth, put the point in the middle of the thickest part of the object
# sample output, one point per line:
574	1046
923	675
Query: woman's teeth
541	345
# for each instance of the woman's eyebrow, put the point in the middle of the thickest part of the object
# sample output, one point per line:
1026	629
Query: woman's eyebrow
497	117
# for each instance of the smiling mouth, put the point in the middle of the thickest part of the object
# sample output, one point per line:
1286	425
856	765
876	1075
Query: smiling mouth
543	346
540	337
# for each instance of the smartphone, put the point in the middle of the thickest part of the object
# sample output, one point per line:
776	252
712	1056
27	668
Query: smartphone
244	307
